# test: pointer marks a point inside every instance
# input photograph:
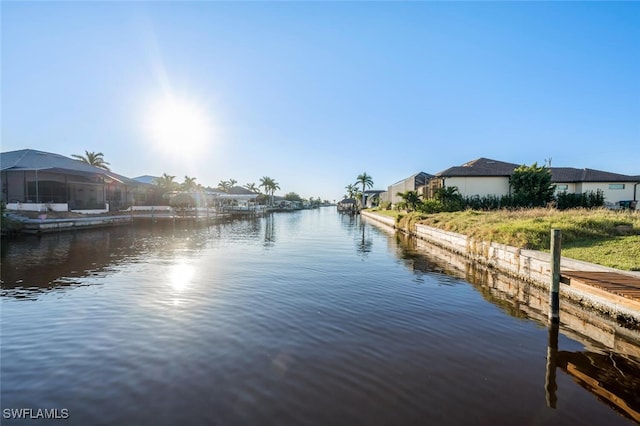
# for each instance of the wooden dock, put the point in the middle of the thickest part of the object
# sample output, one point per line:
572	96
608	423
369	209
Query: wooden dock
627	286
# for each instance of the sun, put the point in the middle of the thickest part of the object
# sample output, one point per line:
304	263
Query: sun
177	126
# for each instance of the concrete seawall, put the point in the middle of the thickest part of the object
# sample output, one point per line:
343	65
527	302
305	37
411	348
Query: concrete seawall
37	226
528	265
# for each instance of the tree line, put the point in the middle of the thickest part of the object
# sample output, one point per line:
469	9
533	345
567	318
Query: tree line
167	183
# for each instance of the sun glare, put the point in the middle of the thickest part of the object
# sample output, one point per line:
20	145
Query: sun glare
180	276
178	127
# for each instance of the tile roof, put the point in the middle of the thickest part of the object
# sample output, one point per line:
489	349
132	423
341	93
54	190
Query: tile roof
481	167
485	167
348	201
238	190
570	174
146	179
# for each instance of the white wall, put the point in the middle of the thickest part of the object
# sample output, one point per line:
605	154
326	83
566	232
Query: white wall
481	186
571	188
38	207
611	195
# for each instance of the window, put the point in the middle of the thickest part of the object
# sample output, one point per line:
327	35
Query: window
616	186
562	187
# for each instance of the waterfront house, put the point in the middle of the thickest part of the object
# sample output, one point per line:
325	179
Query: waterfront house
147	192
617	189
484	177
371	197
237	199
415	182
481	177
34	180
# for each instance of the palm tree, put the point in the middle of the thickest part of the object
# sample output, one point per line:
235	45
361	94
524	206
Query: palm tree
366	181
265	182
269	185
189	183
252	187
166	184
352	190
450	198
447	194
411	199
226	185
94	158
274	186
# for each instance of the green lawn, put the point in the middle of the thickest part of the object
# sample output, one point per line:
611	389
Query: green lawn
617	252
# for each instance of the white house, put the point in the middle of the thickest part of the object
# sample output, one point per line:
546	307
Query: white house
615	187
484	177
481	177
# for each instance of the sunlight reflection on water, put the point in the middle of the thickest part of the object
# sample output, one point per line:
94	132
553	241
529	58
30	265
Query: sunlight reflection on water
301	318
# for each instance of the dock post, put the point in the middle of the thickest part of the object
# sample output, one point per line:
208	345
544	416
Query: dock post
554	293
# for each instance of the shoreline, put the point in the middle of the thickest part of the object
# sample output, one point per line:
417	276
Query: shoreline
530	266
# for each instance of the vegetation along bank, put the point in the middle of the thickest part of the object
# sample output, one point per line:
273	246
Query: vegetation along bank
600	236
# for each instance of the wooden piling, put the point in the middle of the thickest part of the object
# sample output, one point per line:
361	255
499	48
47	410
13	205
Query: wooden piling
554	293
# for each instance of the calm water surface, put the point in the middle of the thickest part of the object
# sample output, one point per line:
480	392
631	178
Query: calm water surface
304	318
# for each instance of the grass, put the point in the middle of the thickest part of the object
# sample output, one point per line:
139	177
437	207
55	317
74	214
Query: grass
620	252
390	213
605	237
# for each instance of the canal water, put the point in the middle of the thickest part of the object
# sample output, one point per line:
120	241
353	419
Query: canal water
302	318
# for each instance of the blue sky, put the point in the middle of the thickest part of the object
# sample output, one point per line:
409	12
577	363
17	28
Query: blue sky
314	93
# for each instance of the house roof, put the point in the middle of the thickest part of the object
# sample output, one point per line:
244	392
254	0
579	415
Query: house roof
570	174
486	167
240	190
481	167
146	179
33	160
348	201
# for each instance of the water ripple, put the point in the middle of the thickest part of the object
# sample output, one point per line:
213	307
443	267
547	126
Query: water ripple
302	318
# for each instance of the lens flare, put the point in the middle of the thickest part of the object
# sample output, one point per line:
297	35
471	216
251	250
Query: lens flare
178	127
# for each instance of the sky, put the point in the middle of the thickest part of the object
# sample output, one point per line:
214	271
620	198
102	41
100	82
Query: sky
312	94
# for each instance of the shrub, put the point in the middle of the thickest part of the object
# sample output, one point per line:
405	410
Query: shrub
531	186
587	200
431	206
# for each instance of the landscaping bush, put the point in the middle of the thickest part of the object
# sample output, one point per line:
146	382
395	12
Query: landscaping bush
431	206
587	200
